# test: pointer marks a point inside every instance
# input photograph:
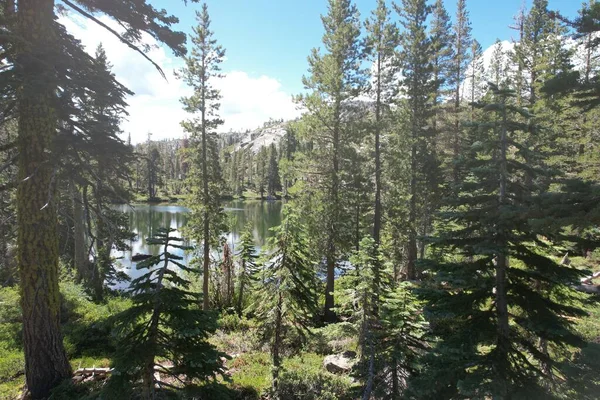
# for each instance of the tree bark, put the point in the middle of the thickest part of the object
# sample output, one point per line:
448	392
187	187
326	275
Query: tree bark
80	249
377	213
46	362
277	345
240	299
205	192
103	262
334	220
411	270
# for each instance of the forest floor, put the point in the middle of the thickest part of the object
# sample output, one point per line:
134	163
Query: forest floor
89	343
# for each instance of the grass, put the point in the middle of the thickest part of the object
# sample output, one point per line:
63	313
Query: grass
86	328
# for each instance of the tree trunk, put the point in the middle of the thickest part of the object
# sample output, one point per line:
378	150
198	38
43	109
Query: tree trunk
102	249
395	386
46	362
277	345
80	251
377	216
205	199
377	211
411	270
334	220
240	303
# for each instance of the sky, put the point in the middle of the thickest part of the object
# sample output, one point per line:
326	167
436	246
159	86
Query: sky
267	43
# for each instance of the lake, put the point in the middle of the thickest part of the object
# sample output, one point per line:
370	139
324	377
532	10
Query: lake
144	220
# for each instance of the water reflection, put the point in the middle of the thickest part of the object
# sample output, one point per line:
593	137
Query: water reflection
263	215
144	220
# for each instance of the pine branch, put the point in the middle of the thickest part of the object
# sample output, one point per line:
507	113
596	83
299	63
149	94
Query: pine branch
119	36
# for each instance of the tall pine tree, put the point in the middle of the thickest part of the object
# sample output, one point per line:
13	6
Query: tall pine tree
335	78
417	85
201	69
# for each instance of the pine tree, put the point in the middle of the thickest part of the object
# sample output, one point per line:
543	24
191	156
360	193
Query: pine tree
335	78
442	55
417	86
287	298
108	159
499	304
153	171
497	73
202	68
38	54
381	45
587	25
273	180
475	74
365	295
261	171
165	323
529	51
288	150
402	340
461	59
248	266
441	63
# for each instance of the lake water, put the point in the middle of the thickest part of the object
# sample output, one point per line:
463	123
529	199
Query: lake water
144	220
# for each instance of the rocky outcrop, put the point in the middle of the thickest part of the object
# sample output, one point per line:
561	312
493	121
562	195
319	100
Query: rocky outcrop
340	363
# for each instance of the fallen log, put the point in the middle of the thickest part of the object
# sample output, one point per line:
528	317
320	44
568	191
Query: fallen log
93	371
592	289
589	279
105	371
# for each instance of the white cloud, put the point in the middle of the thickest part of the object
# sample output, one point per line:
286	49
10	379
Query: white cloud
247	101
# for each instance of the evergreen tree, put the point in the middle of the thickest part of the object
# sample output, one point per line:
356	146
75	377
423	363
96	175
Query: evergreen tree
273	181
587	25
381	44
248	266
92	171
499	303
202	68
288	149
43	65
441	62
475	74
402	340
335	78
497	73
261	171
165	323
287	298
461	59
366	291
442	55
529	51
417	85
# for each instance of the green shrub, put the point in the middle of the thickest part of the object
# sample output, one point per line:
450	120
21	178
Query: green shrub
87	326
12	389
308	384
333	338
232	322
12	364
10	319
251	371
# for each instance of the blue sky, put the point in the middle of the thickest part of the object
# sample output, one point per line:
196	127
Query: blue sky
267	43
274	37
